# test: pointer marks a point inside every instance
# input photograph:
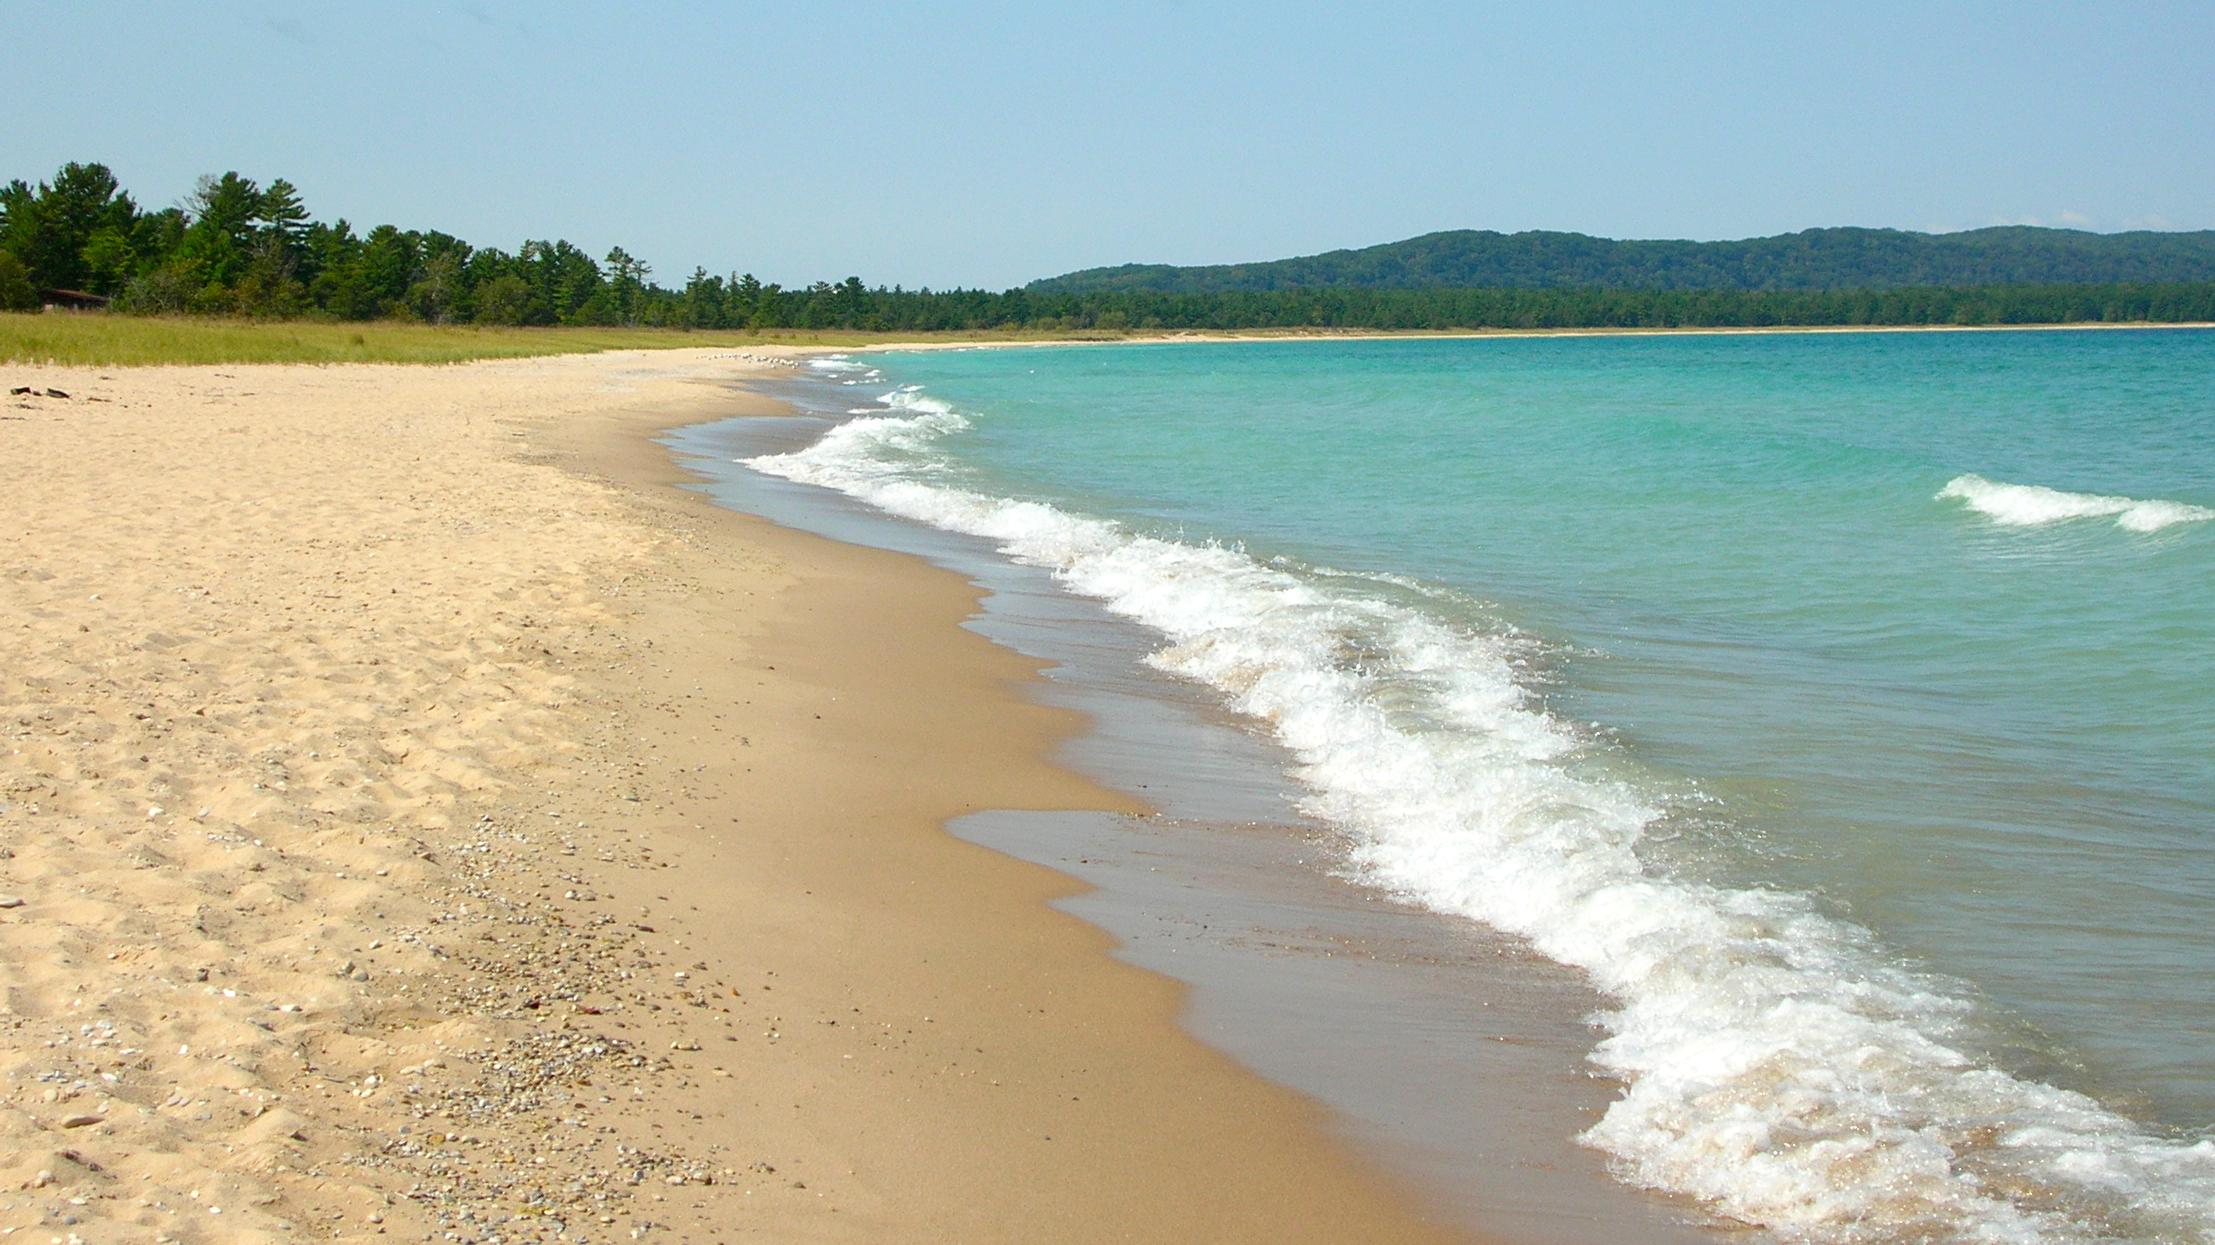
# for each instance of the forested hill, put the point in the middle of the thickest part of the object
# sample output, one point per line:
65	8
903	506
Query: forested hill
1814	259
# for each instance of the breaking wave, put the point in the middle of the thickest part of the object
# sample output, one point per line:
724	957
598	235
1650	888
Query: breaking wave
2030	505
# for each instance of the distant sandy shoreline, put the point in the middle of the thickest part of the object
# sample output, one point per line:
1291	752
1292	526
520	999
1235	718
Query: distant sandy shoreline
422	818
1326	335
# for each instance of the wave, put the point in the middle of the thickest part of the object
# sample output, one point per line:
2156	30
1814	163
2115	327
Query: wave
2029	505
1775	1061
852	371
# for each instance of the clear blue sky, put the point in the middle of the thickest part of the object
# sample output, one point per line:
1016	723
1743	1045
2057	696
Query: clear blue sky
988	144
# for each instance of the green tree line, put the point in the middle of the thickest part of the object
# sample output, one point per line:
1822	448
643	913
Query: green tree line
239	247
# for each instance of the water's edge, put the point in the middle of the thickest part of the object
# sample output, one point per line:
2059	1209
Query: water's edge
1454	1056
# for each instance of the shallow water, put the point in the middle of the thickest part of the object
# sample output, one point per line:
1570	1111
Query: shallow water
1835	704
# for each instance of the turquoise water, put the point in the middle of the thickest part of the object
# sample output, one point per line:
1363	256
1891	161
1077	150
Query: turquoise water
1839	703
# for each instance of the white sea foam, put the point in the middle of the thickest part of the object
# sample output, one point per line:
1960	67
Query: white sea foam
1775	1063
2030	505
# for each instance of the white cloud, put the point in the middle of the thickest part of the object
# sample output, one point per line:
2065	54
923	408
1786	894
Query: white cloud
2066	218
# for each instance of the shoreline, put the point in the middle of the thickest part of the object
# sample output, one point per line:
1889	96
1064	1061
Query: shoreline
1318	983
118	343
990	748
599	883
1287	1177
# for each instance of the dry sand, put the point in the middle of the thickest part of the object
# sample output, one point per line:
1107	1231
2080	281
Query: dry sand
419	820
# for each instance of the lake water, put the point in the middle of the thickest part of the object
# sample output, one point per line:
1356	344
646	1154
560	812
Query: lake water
1837	705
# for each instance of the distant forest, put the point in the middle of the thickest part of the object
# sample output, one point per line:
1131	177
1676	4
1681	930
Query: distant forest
1813	259
236	247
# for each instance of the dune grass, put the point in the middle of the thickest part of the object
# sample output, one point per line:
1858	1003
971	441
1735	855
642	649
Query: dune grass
94	339
110	340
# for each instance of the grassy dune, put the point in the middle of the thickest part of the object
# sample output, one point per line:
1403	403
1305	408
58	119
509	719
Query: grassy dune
107	340
96	340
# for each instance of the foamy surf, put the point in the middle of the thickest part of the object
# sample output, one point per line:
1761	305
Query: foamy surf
1775	1061
2032	505
847	371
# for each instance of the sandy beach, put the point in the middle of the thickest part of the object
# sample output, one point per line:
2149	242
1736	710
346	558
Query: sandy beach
421	819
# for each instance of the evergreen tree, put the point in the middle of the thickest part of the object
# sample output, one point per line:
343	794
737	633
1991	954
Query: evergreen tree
48	227
281	209
626	284
16	291
703	301
219	243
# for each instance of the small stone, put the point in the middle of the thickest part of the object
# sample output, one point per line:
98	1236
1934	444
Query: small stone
79	1121
11	901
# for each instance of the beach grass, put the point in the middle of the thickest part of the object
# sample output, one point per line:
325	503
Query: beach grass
100	340
112	340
